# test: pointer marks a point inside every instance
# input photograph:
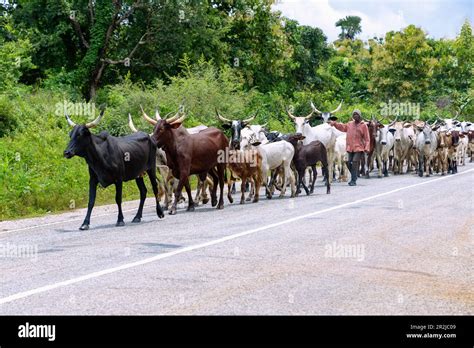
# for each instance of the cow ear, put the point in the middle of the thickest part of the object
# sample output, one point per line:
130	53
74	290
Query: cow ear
318	117
392	130
226	126
256	143
333	118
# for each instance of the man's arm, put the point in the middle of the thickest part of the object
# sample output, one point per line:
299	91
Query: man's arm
339	126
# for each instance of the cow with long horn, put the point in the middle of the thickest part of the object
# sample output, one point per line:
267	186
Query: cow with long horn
114	160
170	182
323	132
189	154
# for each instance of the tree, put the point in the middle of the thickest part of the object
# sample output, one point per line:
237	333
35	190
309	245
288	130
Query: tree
310	50
350	27
403	66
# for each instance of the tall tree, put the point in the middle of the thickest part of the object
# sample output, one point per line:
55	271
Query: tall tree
350	27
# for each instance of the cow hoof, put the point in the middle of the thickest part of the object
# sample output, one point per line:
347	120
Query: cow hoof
242	201
136	219
231	200
160	214
213	202
220	206
165	208
205	200
172	211
120	224
379	176
269	197
385	175
190	208
84	227
255	200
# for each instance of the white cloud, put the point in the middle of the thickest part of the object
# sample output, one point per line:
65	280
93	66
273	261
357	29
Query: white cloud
320	13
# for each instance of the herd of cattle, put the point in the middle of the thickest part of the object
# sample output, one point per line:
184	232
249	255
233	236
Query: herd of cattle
256	156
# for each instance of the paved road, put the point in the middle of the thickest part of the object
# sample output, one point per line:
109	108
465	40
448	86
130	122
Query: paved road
397	245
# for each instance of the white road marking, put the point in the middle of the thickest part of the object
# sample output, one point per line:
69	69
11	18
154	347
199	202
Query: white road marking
97	274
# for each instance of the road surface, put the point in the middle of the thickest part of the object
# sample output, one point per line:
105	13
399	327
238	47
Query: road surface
397	245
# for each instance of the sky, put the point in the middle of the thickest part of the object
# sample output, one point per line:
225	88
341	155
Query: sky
439	18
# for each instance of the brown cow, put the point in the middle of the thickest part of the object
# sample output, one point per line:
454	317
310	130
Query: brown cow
189	154
442	161
366	168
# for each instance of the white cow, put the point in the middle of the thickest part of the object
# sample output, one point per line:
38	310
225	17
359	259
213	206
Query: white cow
426	144
275	156
340	157
405	137
383	144
323	132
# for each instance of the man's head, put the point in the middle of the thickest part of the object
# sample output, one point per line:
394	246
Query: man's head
356	115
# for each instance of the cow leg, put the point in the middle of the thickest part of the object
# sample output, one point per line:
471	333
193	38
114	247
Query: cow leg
199	191
118	200
256	183
230	189
154	186
315	175
142	188
92	193
252	190
242	189
284	176
379	165
328	184
190	196
233	189
220	174
420	166
215	179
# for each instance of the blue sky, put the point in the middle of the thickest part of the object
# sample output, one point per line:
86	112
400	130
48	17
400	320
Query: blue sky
440	18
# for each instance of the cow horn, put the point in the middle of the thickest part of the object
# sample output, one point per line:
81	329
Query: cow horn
148	119
248	120
157	115
309	115
96	121
338	108
222	118
290	114
69	121
130	124
393	121
314	108
179	120
174	118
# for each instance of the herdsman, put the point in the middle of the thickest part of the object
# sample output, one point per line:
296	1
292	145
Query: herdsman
356	144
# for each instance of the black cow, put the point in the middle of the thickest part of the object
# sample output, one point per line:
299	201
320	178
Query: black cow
307	156
113	160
